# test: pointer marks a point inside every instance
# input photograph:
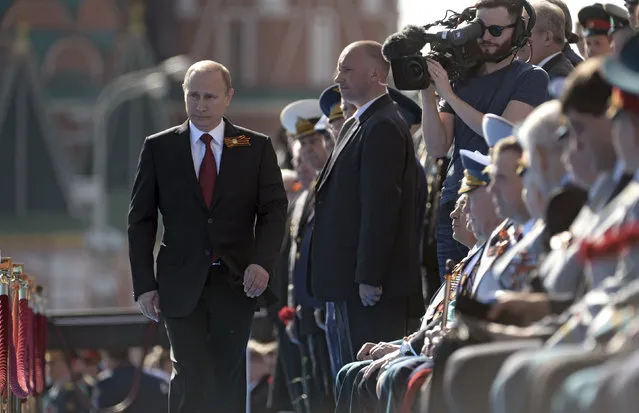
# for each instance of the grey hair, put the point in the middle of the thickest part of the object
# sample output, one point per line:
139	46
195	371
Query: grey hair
538	133
550	18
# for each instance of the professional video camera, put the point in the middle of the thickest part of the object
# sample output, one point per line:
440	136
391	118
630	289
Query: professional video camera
456	49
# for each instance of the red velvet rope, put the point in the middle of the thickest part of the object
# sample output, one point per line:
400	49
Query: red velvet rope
18	364
22	349
40	348
31	336
5	319
613	241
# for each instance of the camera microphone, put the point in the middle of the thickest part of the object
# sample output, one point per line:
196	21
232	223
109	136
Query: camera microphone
462	35
410	41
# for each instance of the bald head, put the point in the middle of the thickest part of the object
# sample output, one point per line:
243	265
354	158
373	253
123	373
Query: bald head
362	72
209	66
372	51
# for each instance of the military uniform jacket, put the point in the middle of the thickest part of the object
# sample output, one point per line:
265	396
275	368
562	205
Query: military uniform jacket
516	267
501	240
464	270
563	270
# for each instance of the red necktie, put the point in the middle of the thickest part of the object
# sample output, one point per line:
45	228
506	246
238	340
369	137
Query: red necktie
208	174
208	170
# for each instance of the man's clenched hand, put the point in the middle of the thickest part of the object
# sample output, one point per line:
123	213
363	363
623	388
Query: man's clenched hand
255	280
149	304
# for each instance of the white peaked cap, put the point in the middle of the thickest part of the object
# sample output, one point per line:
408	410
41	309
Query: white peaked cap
495	128
322	123
300	109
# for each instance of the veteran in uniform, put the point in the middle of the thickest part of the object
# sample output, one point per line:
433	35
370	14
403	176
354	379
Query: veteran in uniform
300	118
596	23
620	30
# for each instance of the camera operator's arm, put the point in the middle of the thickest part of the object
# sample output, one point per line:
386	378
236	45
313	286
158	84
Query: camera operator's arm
515	111
437	127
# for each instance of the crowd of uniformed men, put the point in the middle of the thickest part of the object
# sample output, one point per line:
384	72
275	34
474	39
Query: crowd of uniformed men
536	306
538	313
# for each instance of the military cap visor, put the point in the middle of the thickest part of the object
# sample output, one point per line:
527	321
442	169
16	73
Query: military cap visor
595	20
495	128
619	18
622	70
474	176
300	117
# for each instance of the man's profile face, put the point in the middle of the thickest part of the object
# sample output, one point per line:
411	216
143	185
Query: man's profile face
625	137
493	46
505	185
590	134
305	173
355	74
458	217
481	211
598	45
206	98
313	150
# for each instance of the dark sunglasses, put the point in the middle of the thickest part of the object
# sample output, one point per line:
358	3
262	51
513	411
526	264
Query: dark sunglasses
496	31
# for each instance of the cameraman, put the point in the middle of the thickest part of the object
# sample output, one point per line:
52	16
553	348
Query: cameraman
501	85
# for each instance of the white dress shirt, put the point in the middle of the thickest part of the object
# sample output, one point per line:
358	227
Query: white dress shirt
198	149
365	106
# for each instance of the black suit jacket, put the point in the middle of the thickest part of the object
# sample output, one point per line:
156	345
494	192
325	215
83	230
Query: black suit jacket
244	225
365	210
558	66
574	58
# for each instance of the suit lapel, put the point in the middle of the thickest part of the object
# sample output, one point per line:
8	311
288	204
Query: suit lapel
185	157
353	128
348	129
230	157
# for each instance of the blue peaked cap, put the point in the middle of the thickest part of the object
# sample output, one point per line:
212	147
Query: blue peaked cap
474	165
495	128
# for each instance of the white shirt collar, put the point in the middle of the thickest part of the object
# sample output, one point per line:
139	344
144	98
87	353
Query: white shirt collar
547	59
217	133
636	175
365	106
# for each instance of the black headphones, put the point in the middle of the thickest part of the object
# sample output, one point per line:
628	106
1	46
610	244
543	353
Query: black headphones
522	30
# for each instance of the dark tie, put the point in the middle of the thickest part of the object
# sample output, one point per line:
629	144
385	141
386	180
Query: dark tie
208	170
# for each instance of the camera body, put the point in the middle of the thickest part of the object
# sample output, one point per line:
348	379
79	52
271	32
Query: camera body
456	49
411	72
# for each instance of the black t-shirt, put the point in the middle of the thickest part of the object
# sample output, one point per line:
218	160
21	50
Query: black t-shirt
490	93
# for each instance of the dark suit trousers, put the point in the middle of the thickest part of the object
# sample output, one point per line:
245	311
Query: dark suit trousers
385	321
208	349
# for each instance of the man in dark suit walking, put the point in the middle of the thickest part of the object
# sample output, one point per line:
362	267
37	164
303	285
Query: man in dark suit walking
364	252
223	205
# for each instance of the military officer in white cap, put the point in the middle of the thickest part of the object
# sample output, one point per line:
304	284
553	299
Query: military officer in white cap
300	119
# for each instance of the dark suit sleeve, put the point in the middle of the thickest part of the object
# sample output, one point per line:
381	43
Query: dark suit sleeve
143	223
381	174
271	211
